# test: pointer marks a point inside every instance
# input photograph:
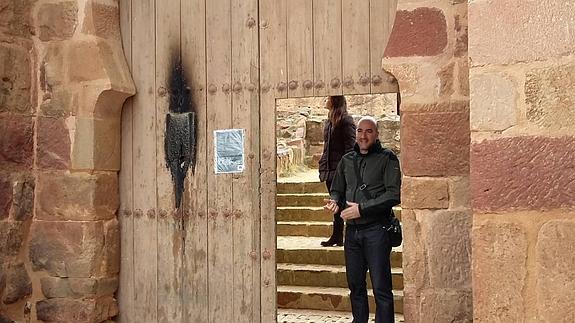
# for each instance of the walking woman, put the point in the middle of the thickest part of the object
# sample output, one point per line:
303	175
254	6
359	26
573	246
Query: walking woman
338	138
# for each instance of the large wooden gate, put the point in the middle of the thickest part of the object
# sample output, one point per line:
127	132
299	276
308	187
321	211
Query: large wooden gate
213	259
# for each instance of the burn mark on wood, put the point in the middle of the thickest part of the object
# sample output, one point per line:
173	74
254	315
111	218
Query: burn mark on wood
180	136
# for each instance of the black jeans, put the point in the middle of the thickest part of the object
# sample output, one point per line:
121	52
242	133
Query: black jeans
369	248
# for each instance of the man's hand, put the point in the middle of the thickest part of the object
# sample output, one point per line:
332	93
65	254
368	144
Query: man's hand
352	212
331	206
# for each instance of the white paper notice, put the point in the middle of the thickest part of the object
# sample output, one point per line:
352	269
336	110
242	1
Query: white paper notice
229	151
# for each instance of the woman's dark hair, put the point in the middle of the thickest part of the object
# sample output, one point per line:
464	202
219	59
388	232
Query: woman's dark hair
338	109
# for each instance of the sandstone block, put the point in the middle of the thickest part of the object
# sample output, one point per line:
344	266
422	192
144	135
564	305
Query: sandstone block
52	68
81	52
23	202
446	305
555	275
408	76
53	144
446	77
438	107
67	249
314	132
463	77
499	271
57	21
112	247
18	284
421	32
461	36
435	144
11	238
77	196
15	18
71	310
459	192
549	96
15	79
97	144
415	262
16	142
5	197
447	235
493	104
102	20
55	287
424	193
529	173
59	103
533	31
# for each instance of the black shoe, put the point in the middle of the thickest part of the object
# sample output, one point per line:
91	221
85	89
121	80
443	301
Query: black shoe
333	241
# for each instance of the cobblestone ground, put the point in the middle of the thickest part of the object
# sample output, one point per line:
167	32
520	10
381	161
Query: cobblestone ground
307	316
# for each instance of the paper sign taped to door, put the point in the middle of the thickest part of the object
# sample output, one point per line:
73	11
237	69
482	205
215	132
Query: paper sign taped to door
229	151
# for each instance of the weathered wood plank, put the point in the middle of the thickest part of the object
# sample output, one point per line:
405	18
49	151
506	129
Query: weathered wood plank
195	279
273	64
355	46
126	289
220	240
170	243
382	17
327	49
144	150
245	108
300	48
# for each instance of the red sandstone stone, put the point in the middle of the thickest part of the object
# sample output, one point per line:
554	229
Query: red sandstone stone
16	141
435	144
112	247
421	32
57	21
446	78
77	196
446	306
461	36
11	238
102	20
15	17
18	284
23	202
53	144
67	249
81	311
5	197
15	79
525	173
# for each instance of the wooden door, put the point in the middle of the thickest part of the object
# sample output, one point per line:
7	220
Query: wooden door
213	258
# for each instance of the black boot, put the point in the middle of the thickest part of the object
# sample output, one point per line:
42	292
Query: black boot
336	238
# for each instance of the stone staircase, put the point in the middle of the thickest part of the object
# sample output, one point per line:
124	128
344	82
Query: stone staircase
309	276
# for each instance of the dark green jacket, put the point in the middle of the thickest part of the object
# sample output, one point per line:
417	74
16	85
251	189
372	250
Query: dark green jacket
380	171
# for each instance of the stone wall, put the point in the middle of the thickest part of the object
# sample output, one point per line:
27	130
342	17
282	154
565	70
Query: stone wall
63	80
522	81
427	53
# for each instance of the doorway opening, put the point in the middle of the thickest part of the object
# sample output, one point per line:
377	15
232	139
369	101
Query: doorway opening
311	281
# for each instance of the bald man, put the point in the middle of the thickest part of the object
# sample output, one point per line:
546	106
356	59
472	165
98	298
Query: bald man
366	186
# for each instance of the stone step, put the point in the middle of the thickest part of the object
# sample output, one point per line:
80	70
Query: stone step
324	276
309	199
307	250
315	316
301	188
303	213
304	228
310	213
326	299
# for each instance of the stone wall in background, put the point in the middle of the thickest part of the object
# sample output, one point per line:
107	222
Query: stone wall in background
427	53
63	80
299	127
522	78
